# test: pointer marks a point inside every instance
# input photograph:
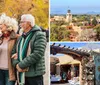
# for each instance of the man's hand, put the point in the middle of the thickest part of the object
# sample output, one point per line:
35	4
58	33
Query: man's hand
14	56
20	70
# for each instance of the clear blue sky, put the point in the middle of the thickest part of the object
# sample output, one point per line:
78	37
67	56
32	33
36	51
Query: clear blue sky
77	6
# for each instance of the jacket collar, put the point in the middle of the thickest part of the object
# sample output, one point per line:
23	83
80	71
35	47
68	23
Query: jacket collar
34	28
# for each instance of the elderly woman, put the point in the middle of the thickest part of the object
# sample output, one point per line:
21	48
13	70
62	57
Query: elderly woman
8	28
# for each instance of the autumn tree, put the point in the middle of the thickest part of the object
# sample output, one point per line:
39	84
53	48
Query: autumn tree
38	8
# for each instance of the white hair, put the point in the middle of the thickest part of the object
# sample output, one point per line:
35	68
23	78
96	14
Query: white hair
29	18
11	23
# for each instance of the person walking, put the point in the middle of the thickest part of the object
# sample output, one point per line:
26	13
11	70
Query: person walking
8	29
28	53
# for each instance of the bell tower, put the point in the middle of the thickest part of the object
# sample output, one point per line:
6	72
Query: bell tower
69	16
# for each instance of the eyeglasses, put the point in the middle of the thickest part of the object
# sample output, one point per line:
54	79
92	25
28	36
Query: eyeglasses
22	21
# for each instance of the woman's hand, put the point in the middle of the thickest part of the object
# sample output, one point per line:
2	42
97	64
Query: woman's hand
14	56
21	70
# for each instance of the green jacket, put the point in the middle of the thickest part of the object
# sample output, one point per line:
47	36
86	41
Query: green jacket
35	60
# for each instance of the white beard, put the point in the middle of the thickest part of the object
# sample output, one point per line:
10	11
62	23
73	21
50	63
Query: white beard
21	31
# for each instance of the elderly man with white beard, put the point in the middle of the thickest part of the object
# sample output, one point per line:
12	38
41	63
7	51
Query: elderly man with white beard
28	52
